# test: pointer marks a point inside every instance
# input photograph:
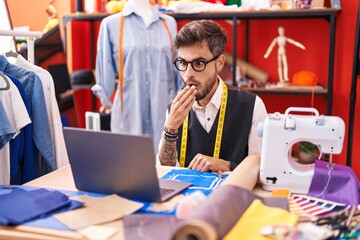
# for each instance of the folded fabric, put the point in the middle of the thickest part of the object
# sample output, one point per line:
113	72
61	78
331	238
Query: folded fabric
217	215
20	206
258	216
221	211
98	211
336	183
150	227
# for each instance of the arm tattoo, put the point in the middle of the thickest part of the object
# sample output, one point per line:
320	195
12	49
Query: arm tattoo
168	153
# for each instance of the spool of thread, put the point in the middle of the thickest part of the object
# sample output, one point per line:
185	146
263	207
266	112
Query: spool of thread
78	6
189	204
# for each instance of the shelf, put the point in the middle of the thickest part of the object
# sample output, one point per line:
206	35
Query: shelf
304	13
265	14
45	46
328	14
293	90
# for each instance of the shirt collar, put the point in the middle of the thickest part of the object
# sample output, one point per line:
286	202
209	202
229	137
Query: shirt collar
216	98
128	10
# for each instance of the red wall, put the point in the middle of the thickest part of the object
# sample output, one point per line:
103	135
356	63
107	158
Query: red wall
314	34
344	55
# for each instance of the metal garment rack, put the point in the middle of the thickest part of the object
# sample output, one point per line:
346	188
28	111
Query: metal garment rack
355	75
30	35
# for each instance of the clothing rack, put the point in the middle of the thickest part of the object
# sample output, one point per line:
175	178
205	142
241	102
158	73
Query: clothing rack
30	35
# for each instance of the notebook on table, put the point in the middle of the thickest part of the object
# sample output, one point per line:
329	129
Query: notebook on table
108	163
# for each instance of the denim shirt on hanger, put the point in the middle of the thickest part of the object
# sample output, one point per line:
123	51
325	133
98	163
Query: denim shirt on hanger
34	92
22	147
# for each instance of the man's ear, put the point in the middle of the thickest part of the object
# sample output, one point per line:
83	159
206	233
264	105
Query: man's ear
220	62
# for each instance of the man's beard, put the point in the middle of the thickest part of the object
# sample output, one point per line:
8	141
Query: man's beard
207	88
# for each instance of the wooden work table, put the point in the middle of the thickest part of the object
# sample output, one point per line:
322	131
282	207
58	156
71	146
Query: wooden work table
62	179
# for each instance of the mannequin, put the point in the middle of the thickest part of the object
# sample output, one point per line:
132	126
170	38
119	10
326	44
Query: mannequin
282	60
143	9
148	80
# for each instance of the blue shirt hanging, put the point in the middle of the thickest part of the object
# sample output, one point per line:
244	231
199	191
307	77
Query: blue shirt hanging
35	95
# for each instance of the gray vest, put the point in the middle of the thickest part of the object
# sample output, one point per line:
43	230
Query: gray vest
237	125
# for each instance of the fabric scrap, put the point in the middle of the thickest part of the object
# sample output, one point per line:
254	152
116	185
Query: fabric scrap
97	211
258	216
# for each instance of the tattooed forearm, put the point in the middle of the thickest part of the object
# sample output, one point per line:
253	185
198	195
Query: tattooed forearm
168	153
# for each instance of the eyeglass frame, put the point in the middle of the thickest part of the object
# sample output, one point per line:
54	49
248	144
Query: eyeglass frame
192	63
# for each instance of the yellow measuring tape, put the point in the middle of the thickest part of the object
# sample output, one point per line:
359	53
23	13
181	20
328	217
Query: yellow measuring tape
219	131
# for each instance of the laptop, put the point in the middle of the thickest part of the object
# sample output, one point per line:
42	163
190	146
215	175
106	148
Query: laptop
111	163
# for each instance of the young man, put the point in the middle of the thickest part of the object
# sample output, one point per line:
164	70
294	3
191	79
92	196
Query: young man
210	126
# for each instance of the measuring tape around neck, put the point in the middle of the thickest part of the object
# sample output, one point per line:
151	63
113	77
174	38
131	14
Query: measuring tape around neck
219	130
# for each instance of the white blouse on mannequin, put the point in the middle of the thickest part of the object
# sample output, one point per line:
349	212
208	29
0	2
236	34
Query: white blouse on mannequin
143	9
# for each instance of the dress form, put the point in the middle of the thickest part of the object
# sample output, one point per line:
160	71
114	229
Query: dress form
143	9
149	77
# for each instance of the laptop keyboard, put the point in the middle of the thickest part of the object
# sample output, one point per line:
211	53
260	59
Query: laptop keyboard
166	191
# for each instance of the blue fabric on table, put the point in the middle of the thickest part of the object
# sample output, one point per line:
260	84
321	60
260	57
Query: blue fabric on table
205	182
20	206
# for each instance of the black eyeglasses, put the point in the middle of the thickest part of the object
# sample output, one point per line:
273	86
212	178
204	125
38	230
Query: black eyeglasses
198	65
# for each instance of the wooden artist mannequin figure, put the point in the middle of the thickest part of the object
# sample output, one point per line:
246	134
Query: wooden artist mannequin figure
282	60
143	9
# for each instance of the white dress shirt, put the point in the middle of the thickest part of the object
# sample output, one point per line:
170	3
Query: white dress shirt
207	116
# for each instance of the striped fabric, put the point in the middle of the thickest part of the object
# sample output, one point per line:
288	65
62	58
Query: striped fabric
309	208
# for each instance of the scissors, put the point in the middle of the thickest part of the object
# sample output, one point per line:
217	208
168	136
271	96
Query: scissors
339	222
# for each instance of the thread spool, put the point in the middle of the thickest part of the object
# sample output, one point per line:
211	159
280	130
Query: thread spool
78	6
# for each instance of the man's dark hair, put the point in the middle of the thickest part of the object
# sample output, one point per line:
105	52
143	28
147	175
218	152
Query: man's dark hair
202	30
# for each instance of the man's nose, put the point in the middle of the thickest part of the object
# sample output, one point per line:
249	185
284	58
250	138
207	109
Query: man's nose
189	72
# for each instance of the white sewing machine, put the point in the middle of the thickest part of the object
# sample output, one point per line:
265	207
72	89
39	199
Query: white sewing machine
278	169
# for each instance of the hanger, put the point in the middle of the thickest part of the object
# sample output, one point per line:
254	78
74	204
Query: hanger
11	53
6	81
